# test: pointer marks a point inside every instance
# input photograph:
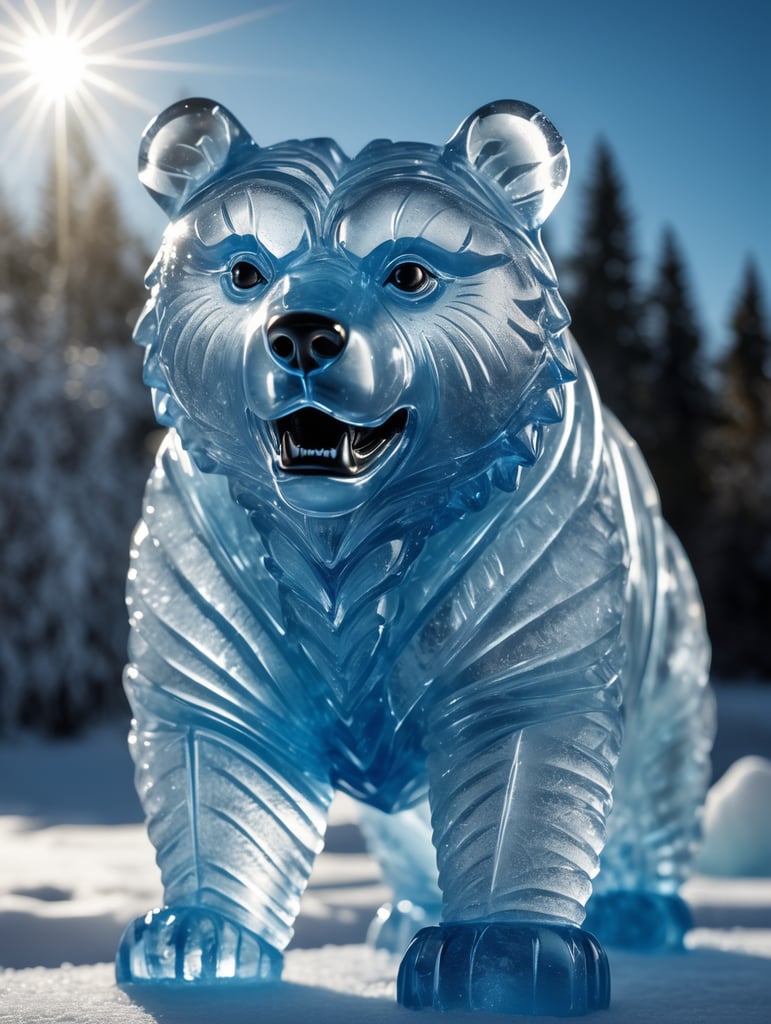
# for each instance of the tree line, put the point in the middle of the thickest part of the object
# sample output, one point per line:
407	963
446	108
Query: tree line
704	424
77	436
73	450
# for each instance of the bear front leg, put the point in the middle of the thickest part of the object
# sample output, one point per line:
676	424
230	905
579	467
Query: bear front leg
237	823
519	823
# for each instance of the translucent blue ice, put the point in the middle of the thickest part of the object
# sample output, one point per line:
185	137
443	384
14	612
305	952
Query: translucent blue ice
393	545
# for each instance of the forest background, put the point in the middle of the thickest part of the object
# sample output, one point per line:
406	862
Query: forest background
77	436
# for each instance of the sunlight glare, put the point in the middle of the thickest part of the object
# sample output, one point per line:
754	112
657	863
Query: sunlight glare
56	63
63	58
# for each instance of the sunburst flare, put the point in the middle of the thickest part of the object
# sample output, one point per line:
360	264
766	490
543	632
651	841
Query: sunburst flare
70	57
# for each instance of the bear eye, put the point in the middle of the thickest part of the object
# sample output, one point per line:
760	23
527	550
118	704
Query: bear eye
410	277
245	275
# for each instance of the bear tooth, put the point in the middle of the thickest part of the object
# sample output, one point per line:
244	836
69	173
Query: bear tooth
345	456
290	452
316	453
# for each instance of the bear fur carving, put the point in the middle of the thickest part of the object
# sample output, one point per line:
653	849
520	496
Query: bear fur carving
394	545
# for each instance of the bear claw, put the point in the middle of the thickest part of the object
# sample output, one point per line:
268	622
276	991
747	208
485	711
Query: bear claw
193	944
524	967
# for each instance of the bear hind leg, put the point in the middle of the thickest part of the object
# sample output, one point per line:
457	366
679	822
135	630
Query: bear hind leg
661	780
402	844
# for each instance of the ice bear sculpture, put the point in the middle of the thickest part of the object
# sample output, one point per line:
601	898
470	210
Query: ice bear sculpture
393	545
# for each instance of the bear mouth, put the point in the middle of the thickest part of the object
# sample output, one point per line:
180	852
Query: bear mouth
310	441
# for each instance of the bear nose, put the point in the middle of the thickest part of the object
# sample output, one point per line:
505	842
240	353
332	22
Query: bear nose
305	341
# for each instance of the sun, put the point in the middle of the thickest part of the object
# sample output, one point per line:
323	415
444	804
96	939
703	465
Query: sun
73	58
57	64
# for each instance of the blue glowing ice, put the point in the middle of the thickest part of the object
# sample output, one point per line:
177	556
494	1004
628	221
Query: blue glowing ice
393	545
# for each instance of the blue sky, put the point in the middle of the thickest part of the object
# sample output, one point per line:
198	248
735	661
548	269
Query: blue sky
681	91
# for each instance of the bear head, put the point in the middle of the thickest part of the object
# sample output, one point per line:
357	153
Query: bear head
328	331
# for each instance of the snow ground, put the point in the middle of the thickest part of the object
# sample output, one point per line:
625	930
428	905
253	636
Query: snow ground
76	866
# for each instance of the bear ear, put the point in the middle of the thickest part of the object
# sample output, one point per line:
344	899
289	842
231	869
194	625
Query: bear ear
188	146
518	148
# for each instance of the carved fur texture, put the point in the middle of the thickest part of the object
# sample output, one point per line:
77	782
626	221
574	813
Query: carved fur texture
393	543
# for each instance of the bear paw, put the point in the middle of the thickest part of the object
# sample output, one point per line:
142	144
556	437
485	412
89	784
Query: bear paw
497	967
395	924
643	921
193	944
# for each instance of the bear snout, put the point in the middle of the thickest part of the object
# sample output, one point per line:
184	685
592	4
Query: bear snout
304	342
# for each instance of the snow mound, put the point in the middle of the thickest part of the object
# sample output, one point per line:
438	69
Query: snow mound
737	822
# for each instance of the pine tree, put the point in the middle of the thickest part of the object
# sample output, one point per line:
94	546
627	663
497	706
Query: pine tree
681	400
72	455
86	252
604	300
19	295
743	513
747	365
